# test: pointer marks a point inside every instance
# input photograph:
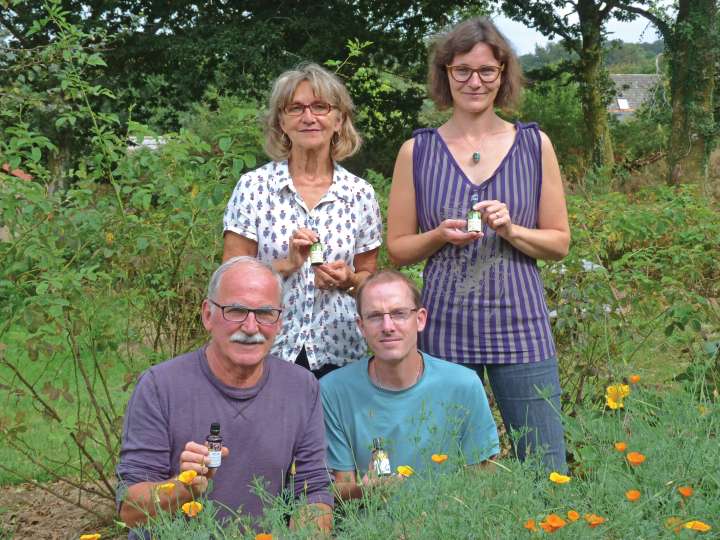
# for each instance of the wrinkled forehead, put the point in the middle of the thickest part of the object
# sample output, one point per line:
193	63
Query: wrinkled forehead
382	295
321	91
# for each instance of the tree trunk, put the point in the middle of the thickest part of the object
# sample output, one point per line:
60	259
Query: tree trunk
693	58
594	85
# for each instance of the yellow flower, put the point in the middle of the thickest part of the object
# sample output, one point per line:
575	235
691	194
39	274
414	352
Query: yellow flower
405	470
186	477
94	536
634	379
615	394
559	478
632	495
194	191
635	458
530	525
167	487
697	526
620	446
573	515
192	508
292	468
686	491
263	536
439	458
594	520
109	238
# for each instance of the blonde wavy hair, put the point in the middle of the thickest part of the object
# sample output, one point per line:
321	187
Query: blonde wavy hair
325	86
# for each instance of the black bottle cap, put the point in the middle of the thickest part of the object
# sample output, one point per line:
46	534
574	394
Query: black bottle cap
215	428
377	443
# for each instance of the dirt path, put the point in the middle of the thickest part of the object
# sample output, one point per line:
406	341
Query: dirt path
30	512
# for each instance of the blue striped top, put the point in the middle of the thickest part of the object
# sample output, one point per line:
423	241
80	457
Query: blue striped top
486	300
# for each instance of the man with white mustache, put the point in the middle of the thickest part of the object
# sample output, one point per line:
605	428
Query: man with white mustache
269	411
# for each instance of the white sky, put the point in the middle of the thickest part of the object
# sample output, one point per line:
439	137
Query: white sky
524	39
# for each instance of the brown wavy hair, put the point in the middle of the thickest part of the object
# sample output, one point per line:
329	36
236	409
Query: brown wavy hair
460	40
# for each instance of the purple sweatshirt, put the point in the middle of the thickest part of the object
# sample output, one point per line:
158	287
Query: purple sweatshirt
265	427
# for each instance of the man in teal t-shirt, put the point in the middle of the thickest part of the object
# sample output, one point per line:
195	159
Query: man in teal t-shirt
419	405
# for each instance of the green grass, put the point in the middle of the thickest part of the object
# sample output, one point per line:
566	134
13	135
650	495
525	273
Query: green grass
673	427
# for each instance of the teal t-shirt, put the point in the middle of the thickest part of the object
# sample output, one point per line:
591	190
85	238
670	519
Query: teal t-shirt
446	411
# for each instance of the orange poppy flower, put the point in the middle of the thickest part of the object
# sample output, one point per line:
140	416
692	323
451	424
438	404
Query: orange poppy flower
632	495
697	526
530	525
94	536
573	515
634	379
263	536
620	446
635	458
594	520
552	523
192	508
686	491
167	487
439	458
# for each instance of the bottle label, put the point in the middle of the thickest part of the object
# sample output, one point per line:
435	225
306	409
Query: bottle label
214	459
474	221
382	465
316	253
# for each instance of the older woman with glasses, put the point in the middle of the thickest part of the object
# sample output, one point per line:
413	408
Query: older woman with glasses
315	222
482	199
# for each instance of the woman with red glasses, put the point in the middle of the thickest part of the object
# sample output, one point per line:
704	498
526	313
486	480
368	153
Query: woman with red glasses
304	200
481	199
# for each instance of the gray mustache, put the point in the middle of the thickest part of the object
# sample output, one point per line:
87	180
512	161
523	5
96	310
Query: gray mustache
247	339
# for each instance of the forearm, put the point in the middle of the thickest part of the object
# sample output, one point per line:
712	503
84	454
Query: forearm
346	490
543	244
319	513
411	248
144	500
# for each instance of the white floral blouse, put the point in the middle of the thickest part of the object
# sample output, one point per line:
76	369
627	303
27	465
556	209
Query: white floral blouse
266	208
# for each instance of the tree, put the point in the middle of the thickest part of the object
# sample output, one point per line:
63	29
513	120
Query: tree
585	37
693	48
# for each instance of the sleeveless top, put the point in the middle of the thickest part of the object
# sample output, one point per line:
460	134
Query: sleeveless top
485	300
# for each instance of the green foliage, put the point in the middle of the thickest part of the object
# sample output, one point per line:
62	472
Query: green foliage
555	106
673	429
636	285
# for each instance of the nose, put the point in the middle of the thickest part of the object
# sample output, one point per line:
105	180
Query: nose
475	79
250	324
388	325
307	115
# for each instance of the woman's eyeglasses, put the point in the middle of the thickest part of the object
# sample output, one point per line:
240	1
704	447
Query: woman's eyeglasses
463	74
318	108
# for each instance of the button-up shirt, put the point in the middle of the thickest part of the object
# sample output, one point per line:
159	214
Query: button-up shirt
266	207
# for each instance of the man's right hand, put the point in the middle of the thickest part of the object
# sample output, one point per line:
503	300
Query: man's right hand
194	458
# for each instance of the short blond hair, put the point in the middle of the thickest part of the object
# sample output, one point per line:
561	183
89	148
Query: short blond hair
460	40
325	85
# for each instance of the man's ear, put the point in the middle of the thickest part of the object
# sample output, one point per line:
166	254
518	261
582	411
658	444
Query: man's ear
206	311
421	318
360	325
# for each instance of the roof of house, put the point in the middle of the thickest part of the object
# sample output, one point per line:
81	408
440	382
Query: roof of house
633	90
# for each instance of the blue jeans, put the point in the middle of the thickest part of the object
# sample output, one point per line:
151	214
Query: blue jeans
528	396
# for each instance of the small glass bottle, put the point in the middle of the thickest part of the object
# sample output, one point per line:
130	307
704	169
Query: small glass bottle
317	255
379	458
474	217
214	445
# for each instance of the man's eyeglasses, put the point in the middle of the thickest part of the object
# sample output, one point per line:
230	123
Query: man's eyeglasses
399	315
237	314
463	73
318	108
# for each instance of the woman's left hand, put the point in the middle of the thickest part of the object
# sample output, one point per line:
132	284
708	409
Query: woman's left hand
333	275
497	216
